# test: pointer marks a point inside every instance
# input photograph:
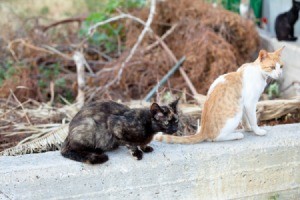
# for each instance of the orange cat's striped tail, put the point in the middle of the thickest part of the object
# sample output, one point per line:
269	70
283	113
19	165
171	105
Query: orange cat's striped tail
191	139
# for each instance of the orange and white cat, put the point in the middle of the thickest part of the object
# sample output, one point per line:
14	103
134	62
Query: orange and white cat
232	99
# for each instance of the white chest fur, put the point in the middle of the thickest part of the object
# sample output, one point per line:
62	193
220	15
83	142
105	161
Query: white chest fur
254	83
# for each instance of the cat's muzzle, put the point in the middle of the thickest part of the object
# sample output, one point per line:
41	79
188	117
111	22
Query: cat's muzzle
171	130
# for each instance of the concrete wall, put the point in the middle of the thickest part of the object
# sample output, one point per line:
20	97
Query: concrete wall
253	168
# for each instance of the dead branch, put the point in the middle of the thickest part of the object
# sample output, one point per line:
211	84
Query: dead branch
153	45
17	100
121	16
80	62
132	51
272	109
24	43
65	21
197	96
266	110
140	38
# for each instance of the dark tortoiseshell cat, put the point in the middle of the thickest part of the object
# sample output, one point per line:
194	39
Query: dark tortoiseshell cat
103	126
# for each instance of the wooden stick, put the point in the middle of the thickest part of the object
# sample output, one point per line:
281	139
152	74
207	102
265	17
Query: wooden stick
73	19
266	110
25	113
181	70
80	78
164	79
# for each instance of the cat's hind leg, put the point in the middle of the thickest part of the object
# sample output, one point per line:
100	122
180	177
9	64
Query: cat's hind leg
82	154
227	132
229	136
85	156
135	152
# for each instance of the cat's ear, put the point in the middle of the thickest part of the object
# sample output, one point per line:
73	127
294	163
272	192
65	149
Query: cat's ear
278	51
173	105
263	54
156	111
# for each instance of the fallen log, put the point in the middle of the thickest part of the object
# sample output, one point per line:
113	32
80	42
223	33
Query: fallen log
265	110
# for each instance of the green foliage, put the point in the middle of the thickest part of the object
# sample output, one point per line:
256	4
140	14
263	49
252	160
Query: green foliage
232	5
51	73
107	35
7	71
61	82
47	74
44	10
274	197
273	90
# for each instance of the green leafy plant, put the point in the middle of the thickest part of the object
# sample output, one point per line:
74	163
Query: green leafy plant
274	197
107	35
51	73
6	71
273	90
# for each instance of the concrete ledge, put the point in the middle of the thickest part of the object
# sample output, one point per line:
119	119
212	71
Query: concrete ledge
253	168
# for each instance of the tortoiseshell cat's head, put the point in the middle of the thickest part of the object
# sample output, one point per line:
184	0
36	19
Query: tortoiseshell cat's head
165	118
270	63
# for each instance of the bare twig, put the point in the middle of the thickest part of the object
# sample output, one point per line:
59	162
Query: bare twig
23	42
164	79
51	92
162	38
73	19
17	100
132	51
134	48
53	50
121	16
78	58
181	70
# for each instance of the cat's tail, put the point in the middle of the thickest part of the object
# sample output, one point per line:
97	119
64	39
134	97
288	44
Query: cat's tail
191	139
84	156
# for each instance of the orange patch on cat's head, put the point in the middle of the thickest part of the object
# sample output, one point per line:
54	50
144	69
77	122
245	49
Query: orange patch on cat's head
268	60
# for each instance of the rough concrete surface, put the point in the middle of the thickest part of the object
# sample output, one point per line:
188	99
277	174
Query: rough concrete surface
256	167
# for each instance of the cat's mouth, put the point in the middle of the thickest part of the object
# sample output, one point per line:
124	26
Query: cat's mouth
171	130
276	75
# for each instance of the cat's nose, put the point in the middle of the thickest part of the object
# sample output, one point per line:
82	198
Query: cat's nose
174	130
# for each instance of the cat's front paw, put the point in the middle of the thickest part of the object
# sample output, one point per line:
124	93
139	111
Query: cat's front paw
260	132
147	149
138	154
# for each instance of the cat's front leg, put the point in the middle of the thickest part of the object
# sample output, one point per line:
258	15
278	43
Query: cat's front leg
251	116
147	149
293	33
135	152
245	122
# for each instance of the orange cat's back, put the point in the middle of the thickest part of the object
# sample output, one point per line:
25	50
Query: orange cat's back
223	103
227	89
